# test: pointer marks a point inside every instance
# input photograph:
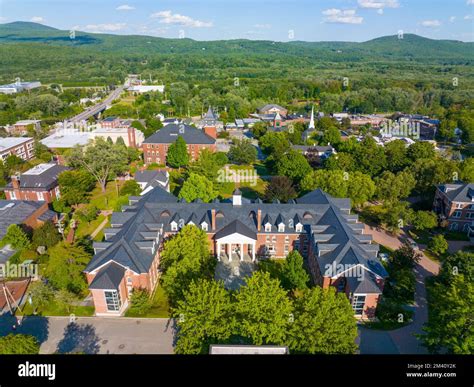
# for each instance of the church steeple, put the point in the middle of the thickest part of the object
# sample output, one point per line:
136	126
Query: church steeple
311	121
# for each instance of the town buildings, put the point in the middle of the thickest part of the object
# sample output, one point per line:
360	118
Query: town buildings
39	183
321	228
23	147
454	204
20	128
155	147
17	87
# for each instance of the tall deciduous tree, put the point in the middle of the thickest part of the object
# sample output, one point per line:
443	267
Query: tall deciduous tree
263	310
205	316
242	152
101	159
323	323
280	188
177	155
19	344
294	275
75	186
197	187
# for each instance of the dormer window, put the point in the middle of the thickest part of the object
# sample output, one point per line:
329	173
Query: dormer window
299	227
281	227
174	226
268	227
204	226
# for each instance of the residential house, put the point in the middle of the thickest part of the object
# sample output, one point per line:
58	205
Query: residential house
273	109
155	147
20	128
22	212
151	179
454	203
23	147
39	183
320	227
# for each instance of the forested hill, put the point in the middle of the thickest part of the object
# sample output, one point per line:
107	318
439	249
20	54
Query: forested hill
410	48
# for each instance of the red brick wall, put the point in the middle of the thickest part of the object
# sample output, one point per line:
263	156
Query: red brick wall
31	195
156	153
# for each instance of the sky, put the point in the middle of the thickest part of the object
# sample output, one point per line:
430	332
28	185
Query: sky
277	20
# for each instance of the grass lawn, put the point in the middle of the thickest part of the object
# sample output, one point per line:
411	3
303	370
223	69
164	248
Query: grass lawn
55	309
84	228
159	308
106	200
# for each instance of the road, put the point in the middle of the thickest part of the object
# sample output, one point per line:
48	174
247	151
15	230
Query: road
93	110
400	340
97	335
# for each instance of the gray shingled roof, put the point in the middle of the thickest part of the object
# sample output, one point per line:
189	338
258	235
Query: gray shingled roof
41	181
233	227
458	192
326	220
109	277
170	133
15	212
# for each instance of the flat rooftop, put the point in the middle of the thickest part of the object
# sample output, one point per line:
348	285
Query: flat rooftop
9	142
66	140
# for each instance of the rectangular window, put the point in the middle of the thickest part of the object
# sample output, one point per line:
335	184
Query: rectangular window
358	303
40	196
457	214
112	300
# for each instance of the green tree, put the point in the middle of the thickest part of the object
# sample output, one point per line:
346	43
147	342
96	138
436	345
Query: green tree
185	257
449	327
274	143
16	237
140	302
360	188
293	165
75	186
208	164
206	316
393	187
324	323
19	344
130	187
332	136
294	275
65	266
396	154
259	129
177	155
41	295
197	187
370	157
421	150
101	159
423	220
438	244
46	235
280	188
263	310
242	152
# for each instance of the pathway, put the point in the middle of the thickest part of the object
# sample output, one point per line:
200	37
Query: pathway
402	340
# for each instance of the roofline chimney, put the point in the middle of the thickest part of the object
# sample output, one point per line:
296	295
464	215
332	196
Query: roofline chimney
213	219
259	219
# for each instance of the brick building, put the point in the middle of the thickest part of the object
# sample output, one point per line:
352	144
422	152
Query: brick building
155	147
23	147
39	183
454	203
320	227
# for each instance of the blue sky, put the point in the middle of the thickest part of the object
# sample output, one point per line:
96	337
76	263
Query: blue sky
280	20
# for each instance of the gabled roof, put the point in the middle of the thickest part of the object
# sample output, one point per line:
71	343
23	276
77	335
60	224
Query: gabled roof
41	177
16	212
236	227
169	134
109	277
458	192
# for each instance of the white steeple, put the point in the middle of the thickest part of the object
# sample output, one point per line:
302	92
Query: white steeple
311	121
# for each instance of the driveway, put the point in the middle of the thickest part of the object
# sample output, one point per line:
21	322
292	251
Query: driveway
403	339
97	334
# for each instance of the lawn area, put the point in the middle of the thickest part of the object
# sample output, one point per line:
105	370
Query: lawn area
106	200
55	309
159	308
85	229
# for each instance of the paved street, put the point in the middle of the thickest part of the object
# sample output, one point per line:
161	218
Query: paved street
401	340
97	334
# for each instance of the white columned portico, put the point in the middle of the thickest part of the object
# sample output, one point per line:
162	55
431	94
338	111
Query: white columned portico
218	251
241	251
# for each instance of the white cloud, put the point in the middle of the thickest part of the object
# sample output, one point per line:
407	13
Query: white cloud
452	19
106	27
469	17
37	19
470	2
378	4
263	26
380	11
342	16
431	23
167	17
125	7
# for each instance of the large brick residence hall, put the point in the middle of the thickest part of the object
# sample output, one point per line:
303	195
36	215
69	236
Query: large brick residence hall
320	227
155	147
